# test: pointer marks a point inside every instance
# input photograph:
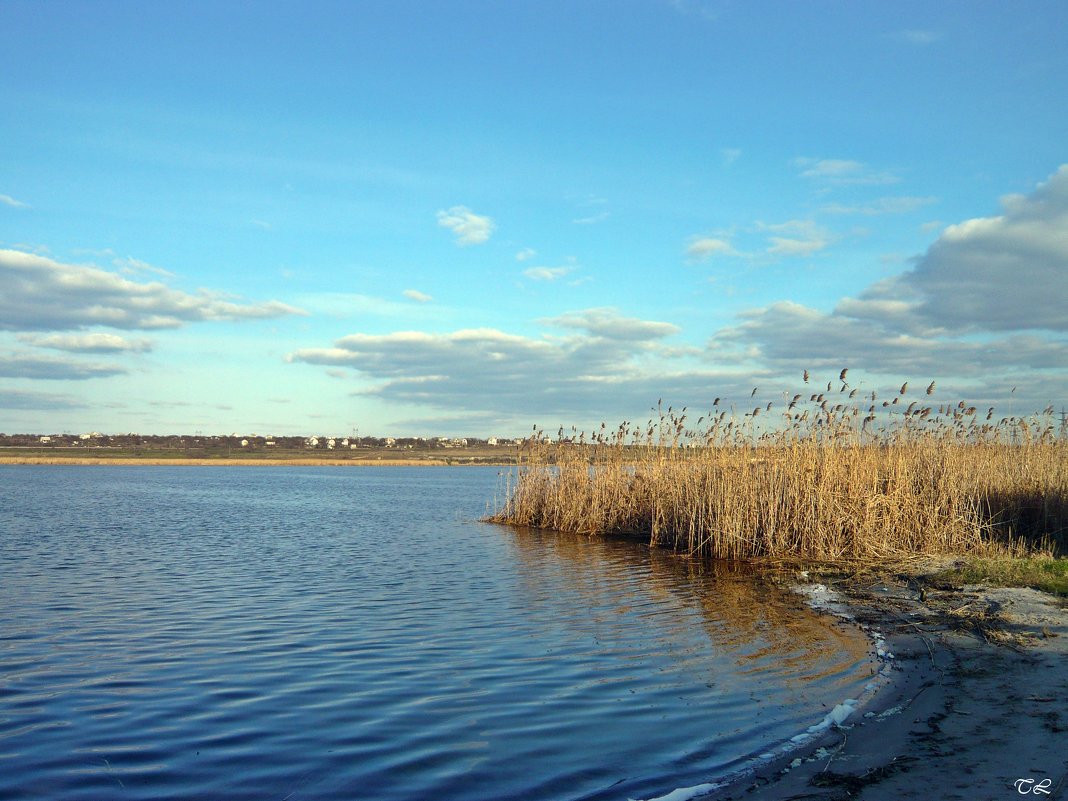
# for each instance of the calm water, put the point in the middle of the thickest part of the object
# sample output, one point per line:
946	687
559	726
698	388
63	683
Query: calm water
353	633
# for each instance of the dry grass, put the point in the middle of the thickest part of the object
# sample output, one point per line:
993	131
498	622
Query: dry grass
832	477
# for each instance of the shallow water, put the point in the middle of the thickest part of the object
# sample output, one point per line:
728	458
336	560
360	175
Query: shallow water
353	633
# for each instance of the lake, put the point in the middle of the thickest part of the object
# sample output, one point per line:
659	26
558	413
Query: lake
356	633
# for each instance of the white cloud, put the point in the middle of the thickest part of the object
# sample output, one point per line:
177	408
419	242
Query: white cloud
87	343
25	400
42	294
417	296
526	254
883	205
982	310
592	219
790	337
609	363
546	273
470	228
782	246
843	172
607	322
7	200
131	266
705	247
730	155
1002	273
804	237
983	307
23	365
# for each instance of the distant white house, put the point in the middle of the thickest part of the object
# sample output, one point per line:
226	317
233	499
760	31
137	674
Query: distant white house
491	441
330	443
45	440
244	443
312	442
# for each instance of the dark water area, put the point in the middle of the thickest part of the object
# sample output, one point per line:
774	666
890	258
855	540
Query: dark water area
355	633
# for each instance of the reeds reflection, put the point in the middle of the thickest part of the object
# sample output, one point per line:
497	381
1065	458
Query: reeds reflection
750	624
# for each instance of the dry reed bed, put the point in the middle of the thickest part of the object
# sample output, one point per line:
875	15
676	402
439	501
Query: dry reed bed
844	480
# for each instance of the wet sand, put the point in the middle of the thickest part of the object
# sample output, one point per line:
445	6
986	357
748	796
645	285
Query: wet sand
975	709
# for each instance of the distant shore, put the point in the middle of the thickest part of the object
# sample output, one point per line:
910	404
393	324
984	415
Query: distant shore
369	461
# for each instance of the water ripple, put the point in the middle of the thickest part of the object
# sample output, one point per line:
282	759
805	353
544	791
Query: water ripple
310	633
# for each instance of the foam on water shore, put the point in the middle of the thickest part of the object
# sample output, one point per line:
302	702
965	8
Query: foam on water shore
822	599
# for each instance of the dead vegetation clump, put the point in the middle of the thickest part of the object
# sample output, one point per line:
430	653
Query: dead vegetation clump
828	476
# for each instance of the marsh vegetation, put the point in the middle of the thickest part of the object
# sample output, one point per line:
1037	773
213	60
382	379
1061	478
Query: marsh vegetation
829	473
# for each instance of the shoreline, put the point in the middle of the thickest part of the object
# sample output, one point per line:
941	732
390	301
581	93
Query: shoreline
237	462
973	708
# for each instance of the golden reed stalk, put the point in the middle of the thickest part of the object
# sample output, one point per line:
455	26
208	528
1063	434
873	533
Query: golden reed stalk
834	477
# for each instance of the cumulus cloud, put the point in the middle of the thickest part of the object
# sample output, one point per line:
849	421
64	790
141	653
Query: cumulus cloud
25	400
610	324
593	219
87	343
546	273
22	365
469	228
782	246
803	238
417	296
608	364
987	299
43	294
705	247
786	339
131	266
880	206
1001	273
843	172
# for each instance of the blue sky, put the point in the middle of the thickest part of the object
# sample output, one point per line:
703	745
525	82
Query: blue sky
473	217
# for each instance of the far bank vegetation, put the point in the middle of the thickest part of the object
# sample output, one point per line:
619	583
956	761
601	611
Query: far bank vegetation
831	474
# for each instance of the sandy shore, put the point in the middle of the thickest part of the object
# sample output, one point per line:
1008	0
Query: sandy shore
975	709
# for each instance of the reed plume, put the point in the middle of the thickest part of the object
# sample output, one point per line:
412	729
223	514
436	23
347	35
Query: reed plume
824	480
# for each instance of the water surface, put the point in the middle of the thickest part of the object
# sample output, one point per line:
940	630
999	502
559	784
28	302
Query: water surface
354	633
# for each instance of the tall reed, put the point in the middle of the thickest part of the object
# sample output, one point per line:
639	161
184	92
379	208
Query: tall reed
829	476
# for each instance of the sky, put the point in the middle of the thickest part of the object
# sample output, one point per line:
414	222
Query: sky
472	218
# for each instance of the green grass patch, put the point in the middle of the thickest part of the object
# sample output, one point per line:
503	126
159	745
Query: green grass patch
1042	573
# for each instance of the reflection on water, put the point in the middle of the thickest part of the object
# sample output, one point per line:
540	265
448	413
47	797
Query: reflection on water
755	625
318	633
